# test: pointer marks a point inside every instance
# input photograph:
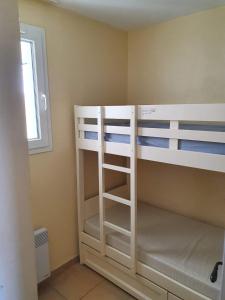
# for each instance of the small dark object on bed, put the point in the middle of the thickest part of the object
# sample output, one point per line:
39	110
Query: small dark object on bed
214	274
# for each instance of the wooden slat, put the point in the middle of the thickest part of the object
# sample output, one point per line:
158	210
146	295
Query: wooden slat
183	134
117	129
117	168
116	198
180	112
204	136
118	149
87	112
88	127
117	228
90	241
87	144
205	161
183	112
117	112
118	256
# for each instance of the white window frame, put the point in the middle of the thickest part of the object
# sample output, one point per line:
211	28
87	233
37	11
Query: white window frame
37	36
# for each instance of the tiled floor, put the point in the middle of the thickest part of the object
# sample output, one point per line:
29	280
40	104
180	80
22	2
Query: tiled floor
80	282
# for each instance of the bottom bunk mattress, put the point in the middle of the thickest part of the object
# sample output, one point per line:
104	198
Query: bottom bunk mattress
184	249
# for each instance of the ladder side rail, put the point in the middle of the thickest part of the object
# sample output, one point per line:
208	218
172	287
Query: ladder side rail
101	177
79	179
133	188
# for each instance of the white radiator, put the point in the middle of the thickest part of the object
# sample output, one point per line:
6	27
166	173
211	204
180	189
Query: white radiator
42	254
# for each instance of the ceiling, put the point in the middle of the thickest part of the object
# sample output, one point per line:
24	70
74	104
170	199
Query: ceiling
131	14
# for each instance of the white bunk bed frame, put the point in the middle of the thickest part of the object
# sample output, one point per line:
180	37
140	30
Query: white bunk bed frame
138	279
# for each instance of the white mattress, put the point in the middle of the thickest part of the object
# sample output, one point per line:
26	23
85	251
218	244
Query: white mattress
183	249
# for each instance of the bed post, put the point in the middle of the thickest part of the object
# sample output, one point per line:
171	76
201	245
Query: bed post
101	178
133	187
80	180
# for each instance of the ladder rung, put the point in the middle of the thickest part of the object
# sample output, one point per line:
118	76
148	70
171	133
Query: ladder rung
117	228
117	168
116	198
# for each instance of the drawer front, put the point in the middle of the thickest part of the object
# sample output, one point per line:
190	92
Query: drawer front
138	287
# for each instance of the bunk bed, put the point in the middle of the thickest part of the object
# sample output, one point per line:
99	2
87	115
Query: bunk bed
150	252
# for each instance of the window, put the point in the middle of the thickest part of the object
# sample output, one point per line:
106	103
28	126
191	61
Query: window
35	84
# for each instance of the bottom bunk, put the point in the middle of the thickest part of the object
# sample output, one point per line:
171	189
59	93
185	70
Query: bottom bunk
183	249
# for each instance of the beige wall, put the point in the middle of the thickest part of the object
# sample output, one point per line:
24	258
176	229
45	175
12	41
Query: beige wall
87	64
181	61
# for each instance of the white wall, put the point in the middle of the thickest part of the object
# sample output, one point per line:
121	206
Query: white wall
17	270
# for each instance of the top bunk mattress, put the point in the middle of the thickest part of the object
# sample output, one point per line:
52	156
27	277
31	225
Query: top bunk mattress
197	146
184	249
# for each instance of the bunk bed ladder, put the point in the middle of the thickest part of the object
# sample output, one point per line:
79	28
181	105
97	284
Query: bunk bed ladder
132	203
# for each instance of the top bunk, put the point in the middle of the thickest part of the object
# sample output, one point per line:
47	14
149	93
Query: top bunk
191	135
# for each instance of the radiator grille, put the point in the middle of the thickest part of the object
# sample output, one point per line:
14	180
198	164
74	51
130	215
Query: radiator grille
40	237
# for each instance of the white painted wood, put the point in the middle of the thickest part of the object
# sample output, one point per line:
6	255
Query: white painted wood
117	129
117	228
118	276
101	177
145	271
173	144
111	252
118	149
117	112
79	179
133	187
192	159
194	135
118	256
201	112
205	161
183	112
107	128
87	112
117	199
85	144
168	283
173	114
90	241
117	168
88	127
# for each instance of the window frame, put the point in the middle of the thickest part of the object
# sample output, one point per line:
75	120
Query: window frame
36	36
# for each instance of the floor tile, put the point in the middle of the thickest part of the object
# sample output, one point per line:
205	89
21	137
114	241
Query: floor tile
47	293
107	290
76	282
